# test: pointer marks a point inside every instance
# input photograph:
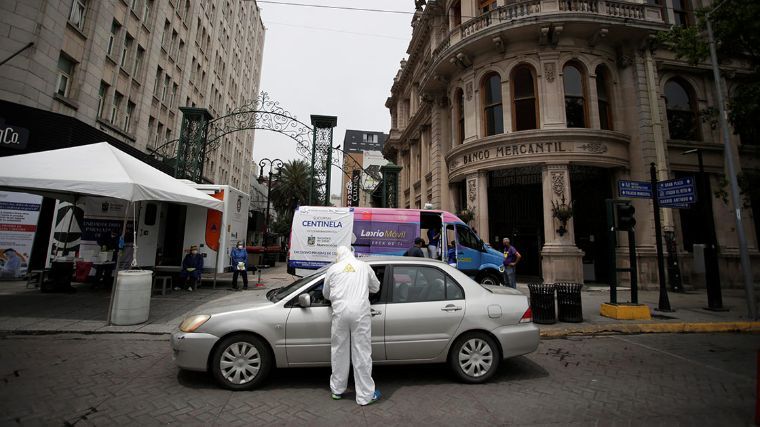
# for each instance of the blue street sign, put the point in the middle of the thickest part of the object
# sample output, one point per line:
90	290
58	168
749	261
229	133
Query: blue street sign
676	206
637	189
677	193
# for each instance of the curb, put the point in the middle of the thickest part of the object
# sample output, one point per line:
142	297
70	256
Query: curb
651	328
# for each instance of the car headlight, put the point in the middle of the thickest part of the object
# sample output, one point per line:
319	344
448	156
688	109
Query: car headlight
193	322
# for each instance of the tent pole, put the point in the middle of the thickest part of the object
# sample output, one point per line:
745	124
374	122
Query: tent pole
116	266
216	262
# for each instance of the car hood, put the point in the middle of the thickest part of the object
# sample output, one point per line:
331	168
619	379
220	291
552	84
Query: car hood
235	301
502	290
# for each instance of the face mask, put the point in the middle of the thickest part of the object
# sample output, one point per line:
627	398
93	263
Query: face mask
240	246
194	252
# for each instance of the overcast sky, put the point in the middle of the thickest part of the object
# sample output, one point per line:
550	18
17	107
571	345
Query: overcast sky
331	62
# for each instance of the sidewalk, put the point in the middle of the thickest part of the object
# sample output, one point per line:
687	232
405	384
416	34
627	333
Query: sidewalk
689	314
31	312
86	311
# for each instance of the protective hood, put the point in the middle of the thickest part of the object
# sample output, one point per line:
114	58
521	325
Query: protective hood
343	253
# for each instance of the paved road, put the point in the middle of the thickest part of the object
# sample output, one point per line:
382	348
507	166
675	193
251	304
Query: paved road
622	380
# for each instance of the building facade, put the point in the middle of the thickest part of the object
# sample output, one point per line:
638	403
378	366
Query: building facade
122	68
513	109
362	160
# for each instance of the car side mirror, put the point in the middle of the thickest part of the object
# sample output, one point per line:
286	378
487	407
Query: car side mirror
304	300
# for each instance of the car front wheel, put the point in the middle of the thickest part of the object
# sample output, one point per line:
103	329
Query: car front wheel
474	357
241	362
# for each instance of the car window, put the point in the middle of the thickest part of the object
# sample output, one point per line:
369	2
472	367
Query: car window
315	292
380	273
418	284
467	238
453	290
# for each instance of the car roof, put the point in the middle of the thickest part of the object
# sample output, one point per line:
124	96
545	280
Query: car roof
399	260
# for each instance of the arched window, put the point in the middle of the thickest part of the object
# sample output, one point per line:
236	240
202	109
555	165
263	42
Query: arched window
603	98
681	110
524	103
459	116
575	96
492	109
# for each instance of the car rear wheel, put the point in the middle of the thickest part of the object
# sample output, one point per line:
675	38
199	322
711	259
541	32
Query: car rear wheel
241	362
474	357
490	279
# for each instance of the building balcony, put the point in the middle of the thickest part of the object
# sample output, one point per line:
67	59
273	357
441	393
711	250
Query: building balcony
543	22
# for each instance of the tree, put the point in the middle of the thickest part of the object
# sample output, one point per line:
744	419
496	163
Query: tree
290	190
736	28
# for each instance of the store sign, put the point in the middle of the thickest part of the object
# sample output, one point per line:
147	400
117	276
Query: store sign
513	150
356	177
13	137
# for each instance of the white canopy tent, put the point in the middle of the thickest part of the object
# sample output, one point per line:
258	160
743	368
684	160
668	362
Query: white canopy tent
96	170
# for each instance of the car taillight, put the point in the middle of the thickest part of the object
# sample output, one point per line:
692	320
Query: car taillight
527	317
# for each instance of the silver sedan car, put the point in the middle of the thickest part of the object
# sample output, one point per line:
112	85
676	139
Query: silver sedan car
425	312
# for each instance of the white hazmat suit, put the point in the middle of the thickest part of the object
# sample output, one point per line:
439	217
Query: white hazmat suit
348	284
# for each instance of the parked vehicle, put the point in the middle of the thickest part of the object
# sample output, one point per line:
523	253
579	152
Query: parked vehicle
426	312
318	231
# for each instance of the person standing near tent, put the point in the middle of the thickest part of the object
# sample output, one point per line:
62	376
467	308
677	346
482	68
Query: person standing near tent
239	264
192	267
347	285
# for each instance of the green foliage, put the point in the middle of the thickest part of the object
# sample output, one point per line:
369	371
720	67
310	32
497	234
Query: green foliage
290	190
736	27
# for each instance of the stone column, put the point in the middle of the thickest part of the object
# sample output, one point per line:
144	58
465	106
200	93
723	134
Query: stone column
440	141
481	210
549	87
561	260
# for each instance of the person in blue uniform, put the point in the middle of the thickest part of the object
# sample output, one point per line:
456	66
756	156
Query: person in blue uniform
192	267
239	264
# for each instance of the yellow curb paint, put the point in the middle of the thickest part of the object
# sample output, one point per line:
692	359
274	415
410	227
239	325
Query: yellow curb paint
653	328
625	311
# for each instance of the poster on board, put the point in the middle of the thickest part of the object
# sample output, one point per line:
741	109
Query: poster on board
19	213
317	232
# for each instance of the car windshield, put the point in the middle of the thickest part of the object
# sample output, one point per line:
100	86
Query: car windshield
278	294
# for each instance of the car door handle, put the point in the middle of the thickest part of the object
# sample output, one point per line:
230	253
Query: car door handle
451	307
374	312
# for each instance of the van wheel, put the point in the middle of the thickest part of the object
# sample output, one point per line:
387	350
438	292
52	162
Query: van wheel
241	362
474	357
490	279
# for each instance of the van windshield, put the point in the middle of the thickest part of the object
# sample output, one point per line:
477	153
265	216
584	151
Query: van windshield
279	293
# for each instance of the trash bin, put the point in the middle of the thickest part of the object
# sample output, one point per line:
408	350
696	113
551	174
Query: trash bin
569	307
542	303
131	298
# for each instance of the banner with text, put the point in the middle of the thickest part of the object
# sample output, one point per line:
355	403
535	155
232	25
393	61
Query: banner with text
317	232
19	213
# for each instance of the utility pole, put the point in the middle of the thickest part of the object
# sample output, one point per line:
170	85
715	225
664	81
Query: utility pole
736	198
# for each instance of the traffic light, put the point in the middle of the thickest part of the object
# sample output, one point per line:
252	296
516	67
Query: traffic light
625	218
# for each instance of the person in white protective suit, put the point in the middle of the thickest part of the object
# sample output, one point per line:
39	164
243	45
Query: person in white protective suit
348	284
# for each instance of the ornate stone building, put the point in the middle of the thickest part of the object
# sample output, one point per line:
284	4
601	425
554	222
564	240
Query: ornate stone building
511	108
118	70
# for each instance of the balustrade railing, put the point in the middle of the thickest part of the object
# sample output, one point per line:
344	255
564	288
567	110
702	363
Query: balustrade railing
530	8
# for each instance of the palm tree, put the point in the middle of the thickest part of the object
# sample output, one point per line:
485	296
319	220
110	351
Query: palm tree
290	190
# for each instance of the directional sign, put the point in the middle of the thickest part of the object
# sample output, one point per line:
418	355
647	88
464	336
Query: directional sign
637	189
677	205
677	192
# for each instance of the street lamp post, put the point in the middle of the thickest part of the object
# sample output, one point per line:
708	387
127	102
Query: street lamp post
712	272
731	173
276	163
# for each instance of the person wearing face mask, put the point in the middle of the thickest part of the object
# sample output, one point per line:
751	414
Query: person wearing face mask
239	263
192	267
